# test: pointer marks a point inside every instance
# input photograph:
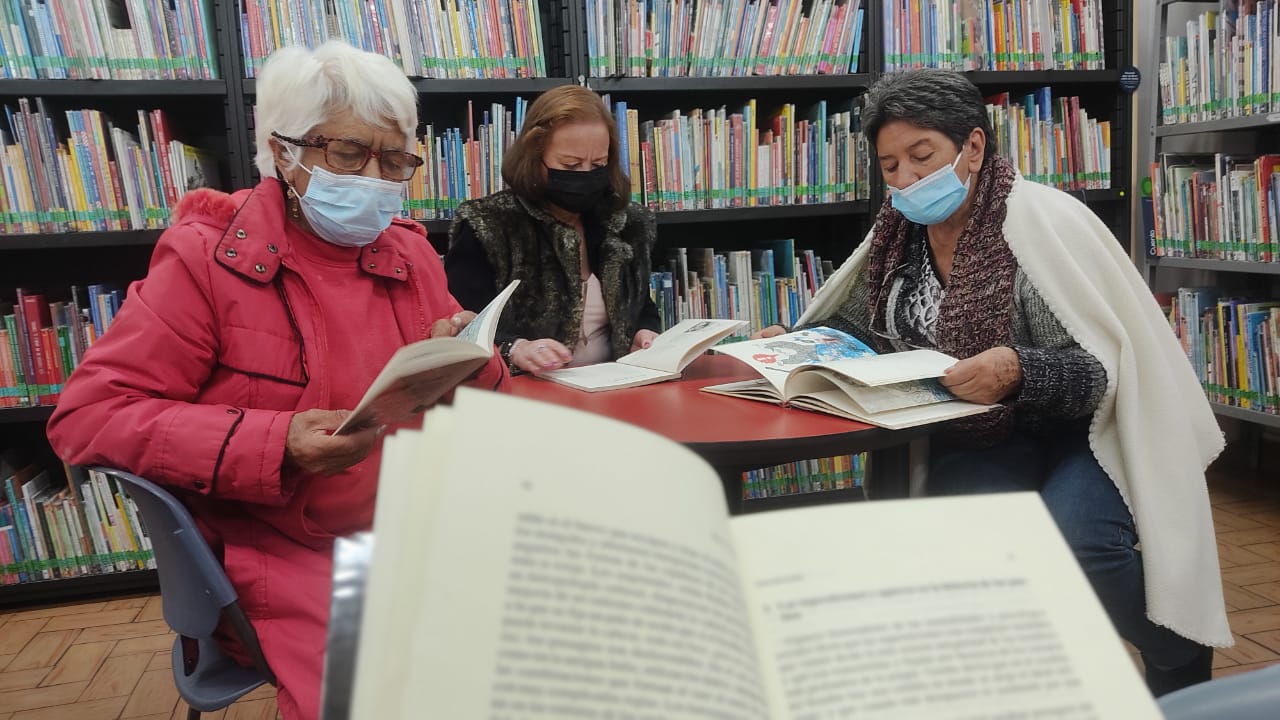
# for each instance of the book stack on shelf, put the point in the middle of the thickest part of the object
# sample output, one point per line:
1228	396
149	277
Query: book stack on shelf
42	342
1224	65
81	172
1233	345
1216	206
431	39
844	472
741	123
995	35
683	38
772	284
1052	141
1215	188
52	529
108	40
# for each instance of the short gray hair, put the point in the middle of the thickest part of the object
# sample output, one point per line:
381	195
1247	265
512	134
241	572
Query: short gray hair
942	100
299	89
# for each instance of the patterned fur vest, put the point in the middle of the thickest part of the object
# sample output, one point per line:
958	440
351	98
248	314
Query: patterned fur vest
524	242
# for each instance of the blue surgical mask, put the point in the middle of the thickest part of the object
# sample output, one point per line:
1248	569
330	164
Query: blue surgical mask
934	197
350	210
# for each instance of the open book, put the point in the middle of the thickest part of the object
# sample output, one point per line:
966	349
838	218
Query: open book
668	355
528	590
419	373
833	372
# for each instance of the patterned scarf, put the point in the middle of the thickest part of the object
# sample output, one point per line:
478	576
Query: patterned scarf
975	310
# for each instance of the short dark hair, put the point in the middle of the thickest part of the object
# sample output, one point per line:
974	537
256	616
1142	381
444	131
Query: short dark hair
522	165
942	100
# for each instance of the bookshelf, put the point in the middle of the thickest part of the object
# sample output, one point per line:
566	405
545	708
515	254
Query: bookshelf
217	115
1208	127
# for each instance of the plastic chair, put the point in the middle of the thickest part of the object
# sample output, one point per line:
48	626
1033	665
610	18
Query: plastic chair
1253	695
196	595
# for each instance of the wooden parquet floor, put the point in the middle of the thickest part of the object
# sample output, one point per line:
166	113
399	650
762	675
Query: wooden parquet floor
109	659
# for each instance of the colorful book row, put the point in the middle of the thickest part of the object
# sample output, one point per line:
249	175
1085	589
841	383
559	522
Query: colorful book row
769	285
1233	345
712	158
427	38
733	38
718	158
993	34
89	174
1217	206
107	39
1052	141
48	530
42	342
1224	65
843	472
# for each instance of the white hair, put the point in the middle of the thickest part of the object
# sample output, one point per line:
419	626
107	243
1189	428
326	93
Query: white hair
299	89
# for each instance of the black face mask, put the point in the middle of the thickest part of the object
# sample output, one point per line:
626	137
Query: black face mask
577	190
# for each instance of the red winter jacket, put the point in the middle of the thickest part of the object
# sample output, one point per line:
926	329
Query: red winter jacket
215	350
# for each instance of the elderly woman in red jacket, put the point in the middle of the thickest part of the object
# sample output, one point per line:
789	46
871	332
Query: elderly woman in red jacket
263	317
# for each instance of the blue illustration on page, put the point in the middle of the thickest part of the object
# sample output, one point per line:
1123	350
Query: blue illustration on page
808	347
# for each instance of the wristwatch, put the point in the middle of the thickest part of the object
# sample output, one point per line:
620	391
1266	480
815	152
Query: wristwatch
505	351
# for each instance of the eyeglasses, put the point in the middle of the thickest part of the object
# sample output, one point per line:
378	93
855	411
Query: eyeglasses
350	156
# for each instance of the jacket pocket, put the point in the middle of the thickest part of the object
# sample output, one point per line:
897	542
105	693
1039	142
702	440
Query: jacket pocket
268	366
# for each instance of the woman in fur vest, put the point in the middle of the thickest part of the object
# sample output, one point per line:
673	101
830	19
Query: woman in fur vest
566	228
263	317
1098	409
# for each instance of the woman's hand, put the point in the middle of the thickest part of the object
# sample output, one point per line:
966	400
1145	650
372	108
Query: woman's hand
643	339
539	356
771	331
312	447
986	378
451	326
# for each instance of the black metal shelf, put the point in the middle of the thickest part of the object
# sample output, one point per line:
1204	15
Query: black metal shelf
77	588
858	81
1248	122
1232	266
114	88
35	413
1044	77
468	86
110	238
798	500
1253	416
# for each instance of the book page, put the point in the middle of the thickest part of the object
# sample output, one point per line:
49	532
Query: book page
942	608
607	376
588	572
758	389
674	349
870	399
897	367
413	379
482	329
774	357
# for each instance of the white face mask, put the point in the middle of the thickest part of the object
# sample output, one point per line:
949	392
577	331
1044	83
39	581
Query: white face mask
349	210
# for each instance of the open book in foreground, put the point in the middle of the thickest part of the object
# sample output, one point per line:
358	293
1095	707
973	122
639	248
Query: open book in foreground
668	355
419	373
833	372
528	590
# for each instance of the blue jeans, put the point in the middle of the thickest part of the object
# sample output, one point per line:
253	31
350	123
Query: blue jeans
1090	514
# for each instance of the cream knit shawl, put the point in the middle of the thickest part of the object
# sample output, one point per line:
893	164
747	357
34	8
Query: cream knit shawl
1153	431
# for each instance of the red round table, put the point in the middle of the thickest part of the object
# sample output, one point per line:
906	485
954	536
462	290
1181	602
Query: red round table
732	434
